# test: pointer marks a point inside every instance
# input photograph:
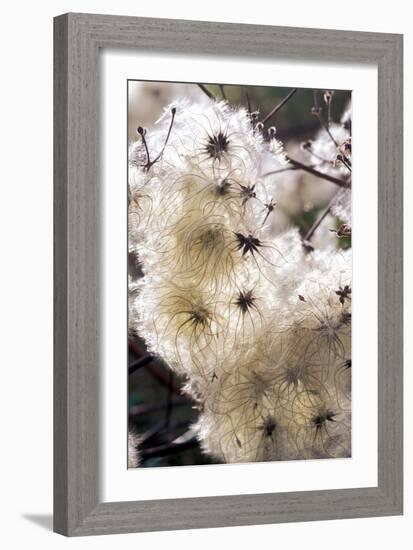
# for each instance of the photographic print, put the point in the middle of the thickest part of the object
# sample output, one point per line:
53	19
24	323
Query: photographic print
239	274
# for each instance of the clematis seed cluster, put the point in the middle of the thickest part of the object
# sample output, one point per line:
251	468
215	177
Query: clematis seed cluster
258	325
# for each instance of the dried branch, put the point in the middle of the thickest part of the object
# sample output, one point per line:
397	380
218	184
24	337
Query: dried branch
139	363
248	101
168	449
279	106
280	171
341	183
139	410
319	220
156	371
206	91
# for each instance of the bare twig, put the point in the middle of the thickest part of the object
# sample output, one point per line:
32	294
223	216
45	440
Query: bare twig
156	370
139	410
161	428
315	99
317	113
152	432
346	162
341	183
319	220
329	113
141	362
160	375
206	91
327	129
248	102
280	170
168	449
279	106
142	132
165	432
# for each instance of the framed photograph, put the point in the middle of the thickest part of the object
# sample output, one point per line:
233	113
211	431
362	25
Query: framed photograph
228	274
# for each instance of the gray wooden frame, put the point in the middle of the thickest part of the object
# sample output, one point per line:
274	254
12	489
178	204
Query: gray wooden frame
78	39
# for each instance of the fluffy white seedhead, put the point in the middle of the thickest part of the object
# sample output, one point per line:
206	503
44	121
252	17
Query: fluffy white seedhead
327	147
259	327
287	398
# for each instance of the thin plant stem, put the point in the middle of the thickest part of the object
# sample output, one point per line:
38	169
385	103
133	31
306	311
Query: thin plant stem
139	410
206	91
139	363
155	370
341	183
322	123
329	113
279	106
172	448
280	170
319	220
248	101
221	88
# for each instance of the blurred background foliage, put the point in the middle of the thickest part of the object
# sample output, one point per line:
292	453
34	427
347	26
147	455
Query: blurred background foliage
294	120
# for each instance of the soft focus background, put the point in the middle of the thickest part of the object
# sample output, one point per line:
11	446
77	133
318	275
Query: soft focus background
160	415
